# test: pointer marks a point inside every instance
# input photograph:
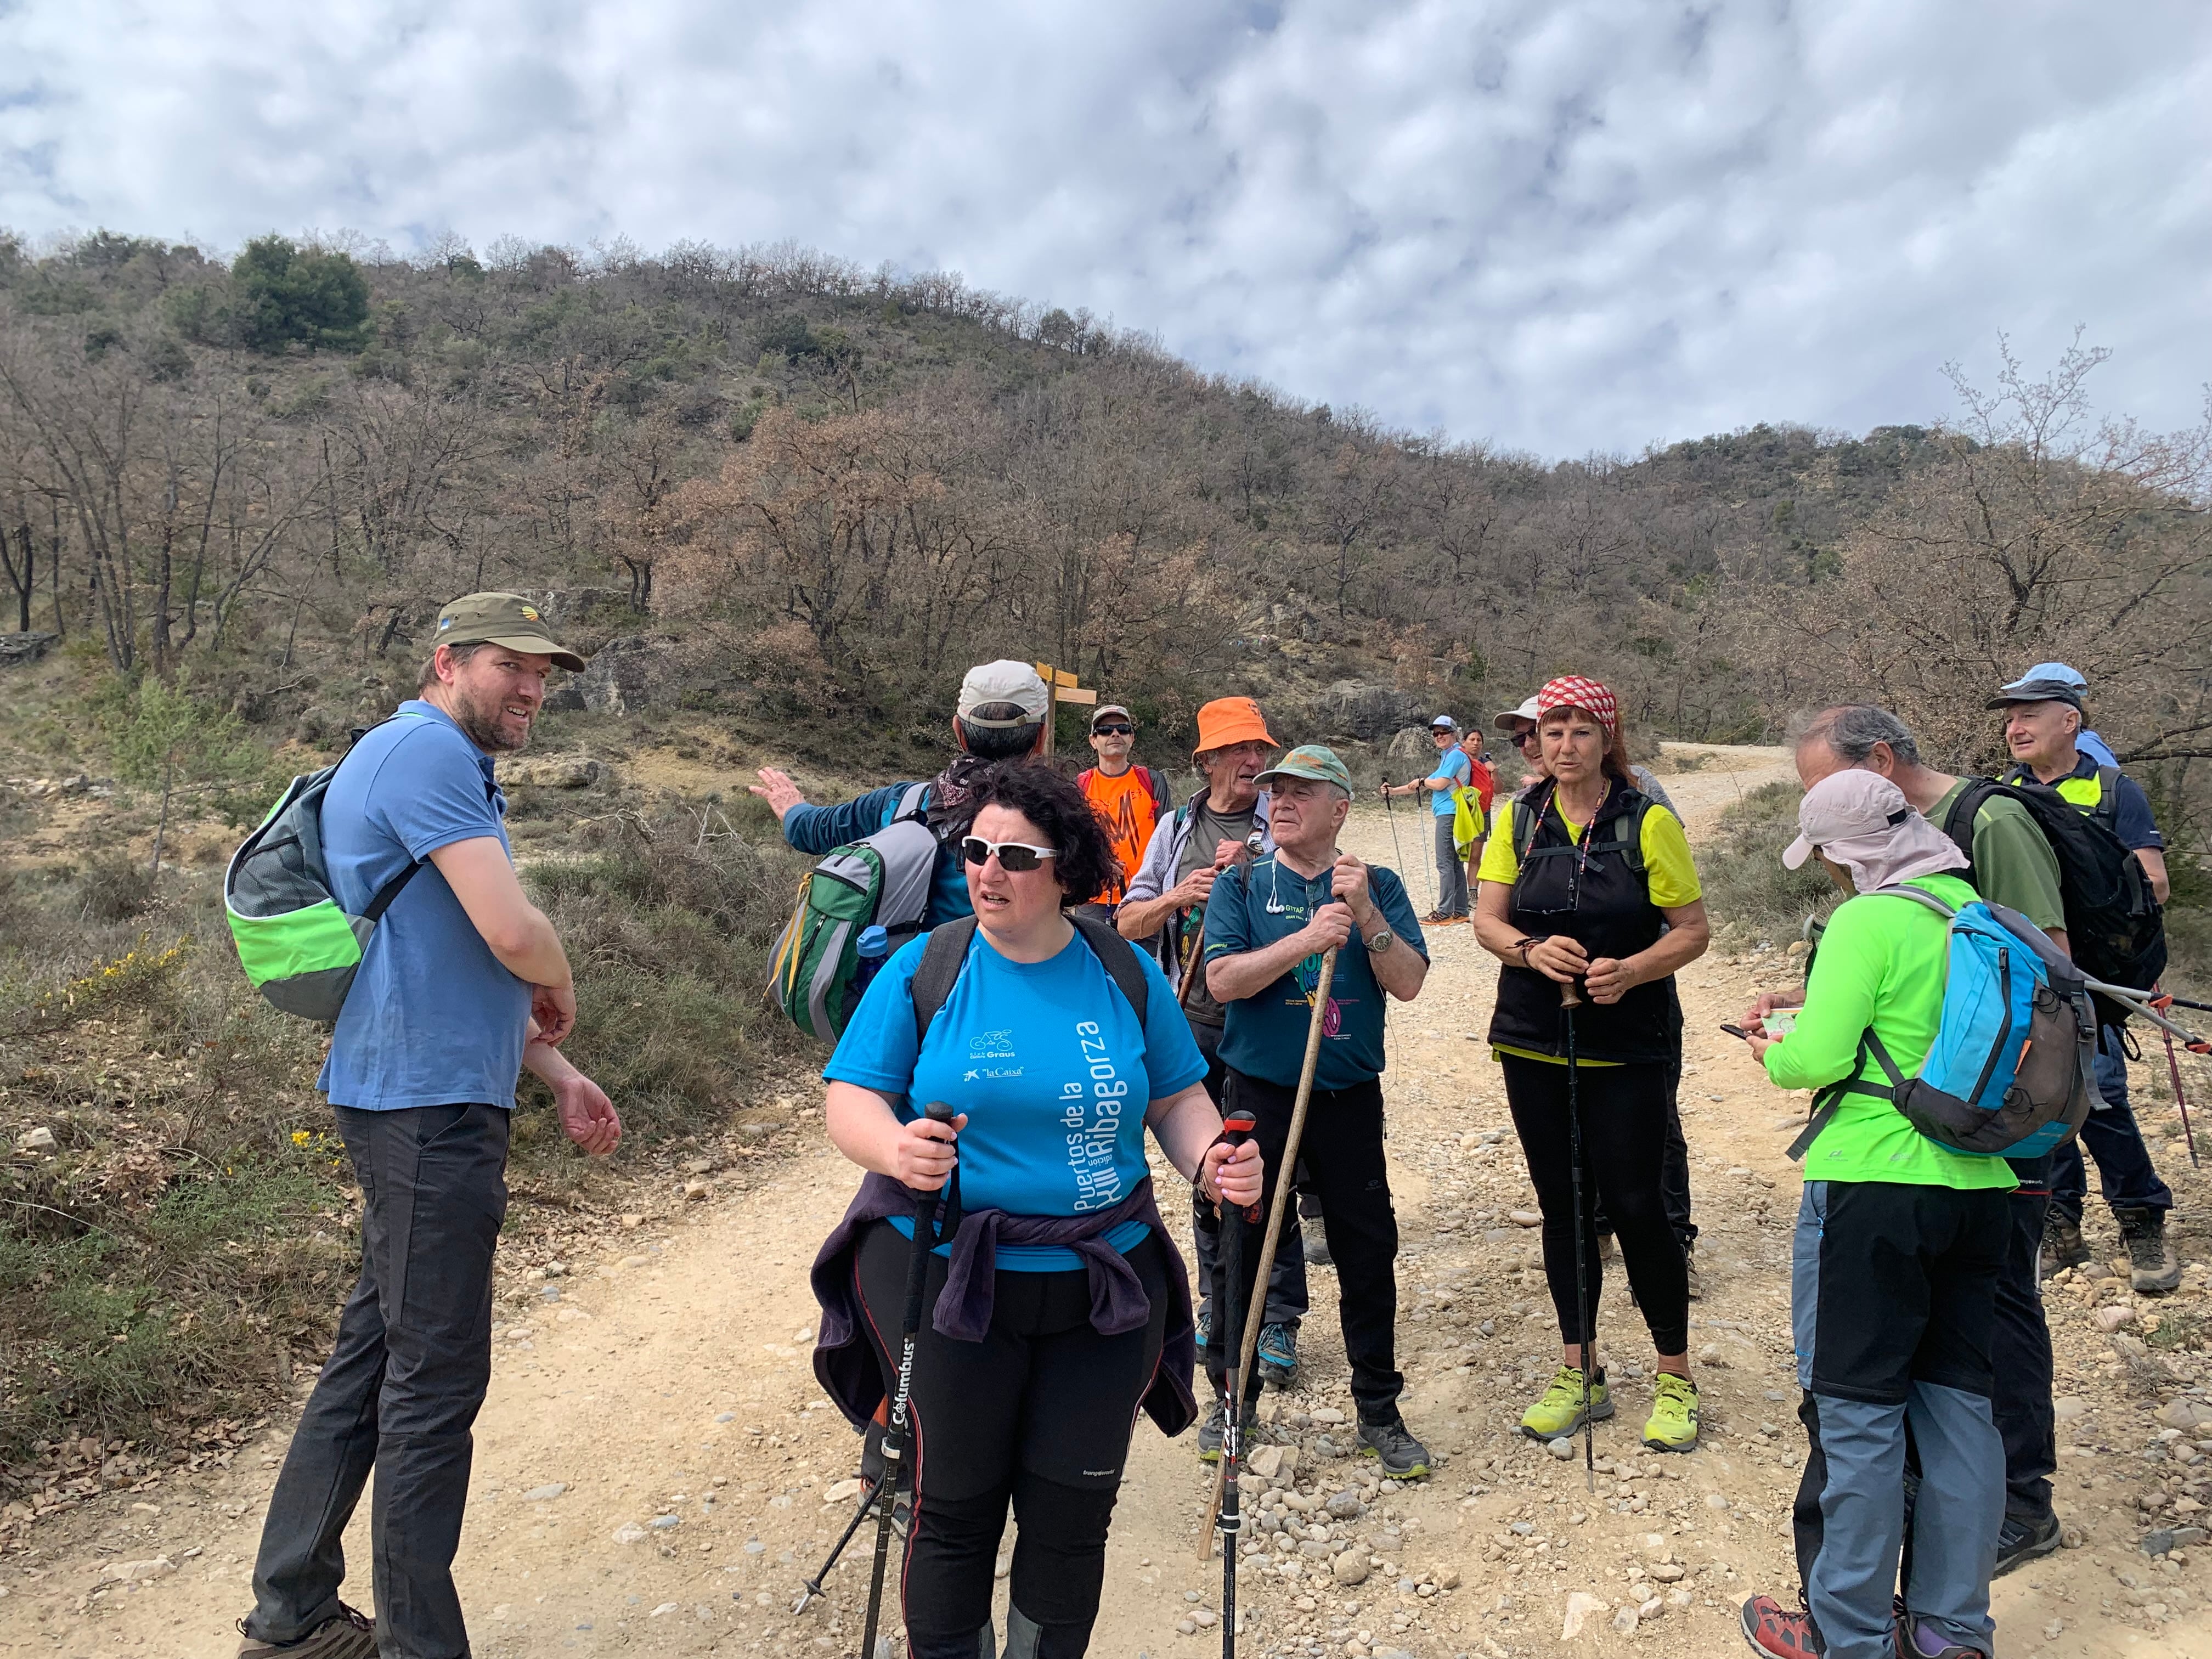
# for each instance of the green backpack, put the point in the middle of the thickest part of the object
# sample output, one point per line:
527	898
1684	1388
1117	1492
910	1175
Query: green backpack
884	879
298	947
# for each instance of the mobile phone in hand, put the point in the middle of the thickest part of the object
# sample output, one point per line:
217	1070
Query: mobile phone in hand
1737	1032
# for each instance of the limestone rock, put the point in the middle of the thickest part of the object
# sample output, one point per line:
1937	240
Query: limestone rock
1349	1568
1580	1606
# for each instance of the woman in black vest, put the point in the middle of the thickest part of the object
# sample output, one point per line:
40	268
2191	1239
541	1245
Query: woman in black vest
1587	888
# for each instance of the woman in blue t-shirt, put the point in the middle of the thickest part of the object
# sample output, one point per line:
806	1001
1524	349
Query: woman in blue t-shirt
1028	1378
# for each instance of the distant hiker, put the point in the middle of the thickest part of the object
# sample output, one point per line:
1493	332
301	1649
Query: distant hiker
1452	773
1165	908
1129	800
1061	1045
1266	927
2011	864
2043	720
1520	726
1000	716
1588	884
1900	1246
463	985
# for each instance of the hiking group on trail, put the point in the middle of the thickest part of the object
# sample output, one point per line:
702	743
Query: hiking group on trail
1024	974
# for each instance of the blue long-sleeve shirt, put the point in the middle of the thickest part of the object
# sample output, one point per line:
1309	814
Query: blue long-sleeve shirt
818	830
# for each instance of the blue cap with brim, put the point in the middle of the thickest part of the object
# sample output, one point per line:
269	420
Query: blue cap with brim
2047	682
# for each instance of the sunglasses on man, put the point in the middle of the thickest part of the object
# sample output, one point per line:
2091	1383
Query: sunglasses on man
1016	857
1113	729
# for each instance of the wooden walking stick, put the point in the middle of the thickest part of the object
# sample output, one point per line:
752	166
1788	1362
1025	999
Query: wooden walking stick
1276	1211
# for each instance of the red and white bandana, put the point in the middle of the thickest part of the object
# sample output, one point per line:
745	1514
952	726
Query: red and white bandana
1574	692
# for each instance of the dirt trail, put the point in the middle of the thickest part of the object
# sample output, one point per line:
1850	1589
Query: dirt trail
652	1461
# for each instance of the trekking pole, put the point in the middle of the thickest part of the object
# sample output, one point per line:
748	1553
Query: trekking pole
1288	1162
2184	1002
2180	1100
814	1584
1236	1128
1570	998
917	1281
2148	1004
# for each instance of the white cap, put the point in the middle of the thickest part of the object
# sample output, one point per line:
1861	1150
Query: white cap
1526	711
1004	681
1444	720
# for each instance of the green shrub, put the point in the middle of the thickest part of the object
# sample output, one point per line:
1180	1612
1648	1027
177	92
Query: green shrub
1746	888
289	295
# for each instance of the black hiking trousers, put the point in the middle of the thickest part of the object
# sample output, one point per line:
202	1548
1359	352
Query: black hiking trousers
401	1389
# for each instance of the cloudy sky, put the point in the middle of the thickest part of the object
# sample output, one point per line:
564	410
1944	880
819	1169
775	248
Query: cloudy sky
1560	225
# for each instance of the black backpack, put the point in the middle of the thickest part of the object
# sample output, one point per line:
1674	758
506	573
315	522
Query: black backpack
946	954
2115	928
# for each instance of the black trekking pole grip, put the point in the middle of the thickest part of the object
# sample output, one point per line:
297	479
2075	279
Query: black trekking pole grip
895	1426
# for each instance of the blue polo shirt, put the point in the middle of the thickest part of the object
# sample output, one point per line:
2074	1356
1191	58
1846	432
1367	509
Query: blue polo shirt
1264	1035
432	1018
1049	1063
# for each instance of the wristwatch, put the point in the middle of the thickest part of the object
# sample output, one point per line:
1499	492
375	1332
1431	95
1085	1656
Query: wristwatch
1379	941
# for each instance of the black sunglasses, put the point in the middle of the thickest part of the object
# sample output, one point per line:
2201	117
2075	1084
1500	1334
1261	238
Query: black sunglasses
1016	857
1520	739
1113	729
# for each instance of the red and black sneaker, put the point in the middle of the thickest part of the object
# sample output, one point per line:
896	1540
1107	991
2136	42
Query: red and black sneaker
1774	1630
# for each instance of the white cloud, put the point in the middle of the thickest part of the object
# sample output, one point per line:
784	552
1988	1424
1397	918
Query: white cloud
1561	224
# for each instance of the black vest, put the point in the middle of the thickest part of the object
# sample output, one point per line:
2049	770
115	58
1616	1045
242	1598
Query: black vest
1599	894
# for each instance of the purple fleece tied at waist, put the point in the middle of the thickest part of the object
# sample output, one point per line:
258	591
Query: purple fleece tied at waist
846	1366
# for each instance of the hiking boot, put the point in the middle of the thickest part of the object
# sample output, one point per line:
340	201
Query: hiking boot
1278	1354
352	1635
1402	1457
1315	1234
1774	1630
2024	1538
1690	1271
1672	1425
1560	1410
1216	1426
2153	1267
2062	1244
1917	1639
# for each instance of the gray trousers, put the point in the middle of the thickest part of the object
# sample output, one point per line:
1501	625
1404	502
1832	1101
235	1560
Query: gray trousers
1891	1293
401	1389
1451	874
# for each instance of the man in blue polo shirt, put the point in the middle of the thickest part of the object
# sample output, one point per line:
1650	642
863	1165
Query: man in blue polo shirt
1267	925
463	985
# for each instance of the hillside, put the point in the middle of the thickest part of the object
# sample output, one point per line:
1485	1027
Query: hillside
785	502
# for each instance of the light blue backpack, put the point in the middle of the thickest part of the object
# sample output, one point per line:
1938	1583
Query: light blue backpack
2008	1074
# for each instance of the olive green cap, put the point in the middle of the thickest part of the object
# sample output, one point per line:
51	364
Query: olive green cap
1310	761
506	619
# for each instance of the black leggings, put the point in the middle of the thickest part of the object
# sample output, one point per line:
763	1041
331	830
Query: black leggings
1623	1110
1038	1414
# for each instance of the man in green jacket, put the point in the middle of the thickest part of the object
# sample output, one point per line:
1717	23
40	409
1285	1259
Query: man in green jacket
1894	1268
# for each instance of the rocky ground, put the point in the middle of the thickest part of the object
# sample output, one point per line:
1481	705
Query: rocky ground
656	1470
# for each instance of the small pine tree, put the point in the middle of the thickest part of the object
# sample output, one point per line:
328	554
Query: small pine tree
286	294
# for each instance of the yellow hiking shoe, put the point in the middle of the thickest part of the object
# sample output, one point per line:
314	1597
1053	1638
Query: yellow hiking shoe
1560	1411
1672	1425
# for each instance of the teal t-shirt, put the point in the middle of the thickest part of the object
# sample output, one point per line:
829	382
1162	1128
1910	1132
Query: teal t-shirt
1264	1035
1047	1060
1452	765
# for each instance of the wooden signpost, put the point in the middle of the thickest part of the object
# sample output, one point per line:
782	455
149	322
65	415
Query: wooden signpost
1060	687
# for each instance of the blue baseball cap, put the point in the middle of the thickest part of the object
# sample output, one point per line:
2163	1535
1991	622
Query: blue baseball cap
2047	682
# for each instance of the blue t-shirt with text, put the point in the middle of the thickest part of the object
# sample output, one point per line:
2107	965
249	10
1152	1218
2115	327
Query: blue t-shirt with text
1050	1064
1264	1035
1451	768
432	1018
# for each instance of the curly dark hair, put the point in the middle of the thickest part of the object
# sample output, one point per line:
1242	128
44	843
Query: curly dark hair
1085	865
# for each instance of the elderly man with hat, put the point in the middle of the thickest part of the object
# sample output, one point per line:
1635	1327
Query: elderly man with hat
1165	908
1130	800
2043	720
1452	773
1000	716
463	985
1267	927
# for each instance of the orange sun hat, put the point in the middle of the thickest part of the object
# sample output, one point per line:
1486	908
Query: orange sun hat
1232	719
